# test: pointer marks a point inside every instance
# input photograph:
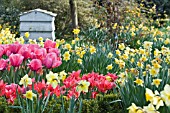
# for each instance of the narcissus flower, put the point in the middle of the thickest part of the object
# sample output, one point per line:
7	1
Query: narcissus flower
62	75
76	31
110	55
66	56
153	72
29	94
79	61
83	85
121	46
147	44
165	94
149	95
139	82
109	67
133	108
25	81
52	79
27	34
92	49
150	109
40	38
156	82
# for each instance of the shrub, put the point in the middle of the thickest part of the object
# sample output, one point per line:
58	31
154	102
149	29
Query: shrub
99	105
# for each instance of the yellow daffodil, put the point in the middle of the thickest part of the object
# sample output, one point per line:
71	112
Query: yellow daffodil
143	58
147	44
79	61
167	41
40	38
52	79
109	67
121	64
133	108
83	85
118	52
62	75
132	60
133	34
76	31
66	56
77	39
139	82
67	46
140	64
92	49
138	42
141	51
165	94
156	82
125	56
73	42
62	41
149	95
144	73
110	55
27	34
157	66
150	109
157	100
29	94
25	81
154	72
121	46
114	26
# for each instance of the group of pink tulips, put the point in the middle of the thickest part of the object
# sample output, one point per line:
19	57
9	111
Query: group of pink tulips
36	56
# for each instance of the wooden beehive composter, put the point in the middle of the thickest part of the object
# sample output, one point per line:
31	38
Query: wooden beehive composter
39	23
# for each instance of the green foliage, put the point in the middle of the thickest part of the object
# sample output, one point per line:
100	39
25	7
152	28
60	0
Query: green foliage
102	104
9	14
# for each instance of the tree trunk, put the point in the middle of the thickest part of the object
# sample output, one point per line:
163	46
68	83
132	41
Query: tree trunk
73	9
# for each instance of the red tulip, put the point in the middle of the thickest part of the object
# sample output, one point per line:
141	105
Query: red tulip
35	64
3	64
2	88
16	59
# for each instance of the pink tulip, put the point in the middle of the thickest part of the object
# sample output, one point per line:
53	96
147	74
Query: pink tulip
3	64
33	47
55	50
35	64
16	59
13	48
25	51
51	61
49	44
39	53
1	51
